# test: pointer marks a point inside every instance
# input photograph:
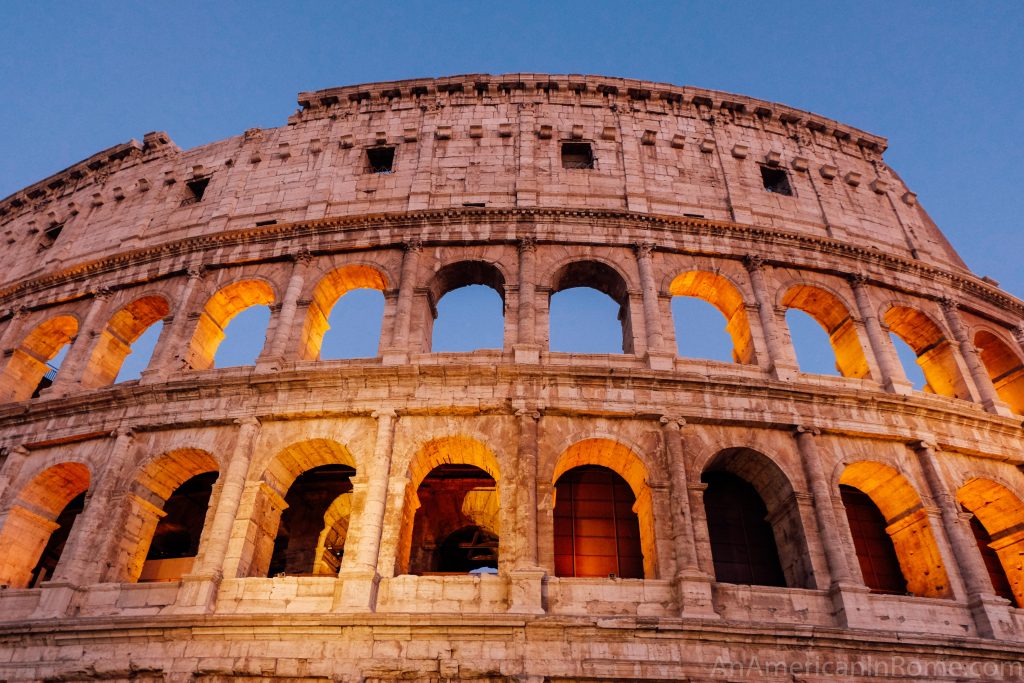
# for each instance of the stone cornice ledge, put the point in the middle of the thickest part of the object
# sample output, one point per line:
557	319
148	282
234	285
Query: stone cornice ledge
273	234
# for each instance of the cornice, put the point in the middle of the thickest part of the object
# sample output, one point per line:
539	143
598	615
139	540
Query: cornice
193	249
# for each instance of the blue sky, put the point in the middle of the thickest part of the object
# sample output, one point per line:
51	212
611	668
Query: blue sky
941	80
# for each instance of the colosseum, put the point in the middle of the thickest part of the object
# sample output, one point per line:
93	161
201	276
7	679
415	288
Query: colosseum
517	513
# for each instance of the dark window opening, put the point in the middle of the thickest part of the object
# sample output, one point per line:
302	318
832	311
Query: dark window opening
297	547
466	550
996	573
55	546
196	188
775	180
260	224
46	381
597	534
177	534
51	234
742	541
381	159
577	155
875	551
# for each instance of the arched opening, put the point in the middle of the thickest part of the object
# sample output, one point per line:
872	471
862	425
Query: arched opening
719	292
903	520
222	308
117	338
299	520
934	352
602	465
34	363
457	526
1004	367
39	522
754	522
876	553
467	306
831	314
452	490
580	319
176	537
345	315
596	530
998	526
311	536
164	517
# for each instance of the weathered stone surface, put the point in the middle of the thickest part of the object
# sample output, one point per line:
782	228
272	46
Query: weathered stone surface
751	206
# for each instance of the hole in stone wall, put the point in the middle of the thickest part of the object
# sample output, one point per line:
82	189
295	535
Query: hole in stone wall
50	235
177	534
52	367
577	155
196	188
996	573
875	551
244	338
701	330
380	159
469	318
811	344
776	180
908	359
140	355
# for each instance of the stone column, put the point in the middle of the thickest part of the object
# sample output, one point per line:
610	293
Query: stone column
893	378
8	337
399	351
781	363
989	611
359	575
693	586
527	350
9	471
987	391
70	371
170	350
278	346
849	599
87	555
657	357
527	576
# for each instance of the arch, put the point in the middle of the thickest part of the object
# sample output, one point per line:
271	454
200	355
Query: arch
331	287
466	473
1001	513
721	293
291	475
28	370
456	276
907	525
116	338
624	462
829	311
224	305
934	352
1004	367
603	278
31	522
762	497
154	485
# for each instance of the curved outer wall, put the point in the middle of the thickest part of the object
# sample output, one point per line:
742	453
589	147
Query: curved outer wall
675	204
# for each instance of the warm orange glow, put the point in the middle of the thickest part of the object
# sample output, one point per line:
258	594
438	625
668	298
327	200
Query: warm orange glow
829	312
28	363
117	337
912	537
332	287
1001	512
723	295
1004	367
934	352
218	312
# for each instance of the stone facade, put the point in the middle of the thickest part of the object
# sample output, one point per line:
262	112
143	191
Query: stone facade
530	184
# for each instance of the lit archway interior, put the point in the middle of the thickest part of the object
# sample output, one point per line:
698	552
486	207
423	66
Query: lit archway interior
828	311
116	339
934	352
326	294
1000	514
218	312
723	295
28	371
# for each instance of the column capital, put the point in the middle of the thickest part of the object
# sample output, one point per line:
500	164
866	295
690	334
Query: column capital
124	431
949	304
924	444
250	421
527	243
809	430
672	422
102	293
303	257
196	271
531	413
413	245
383	412
858	278
644	249
753	262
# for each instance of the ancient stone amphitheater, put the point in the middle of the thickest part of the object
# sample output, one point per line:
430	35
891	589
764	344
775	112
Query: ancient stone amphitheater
515	514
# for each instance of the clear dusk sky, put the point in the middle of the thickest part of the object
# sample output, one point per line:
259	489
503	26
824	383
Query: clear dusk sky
943	81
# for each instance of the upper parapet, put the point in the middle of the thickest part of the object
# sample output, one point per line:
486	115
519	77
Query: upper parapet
595	88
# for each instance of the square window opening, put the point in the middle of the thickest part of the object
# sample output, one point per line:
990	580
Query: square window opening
196	189
51	234
381	159
577	155
776	180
